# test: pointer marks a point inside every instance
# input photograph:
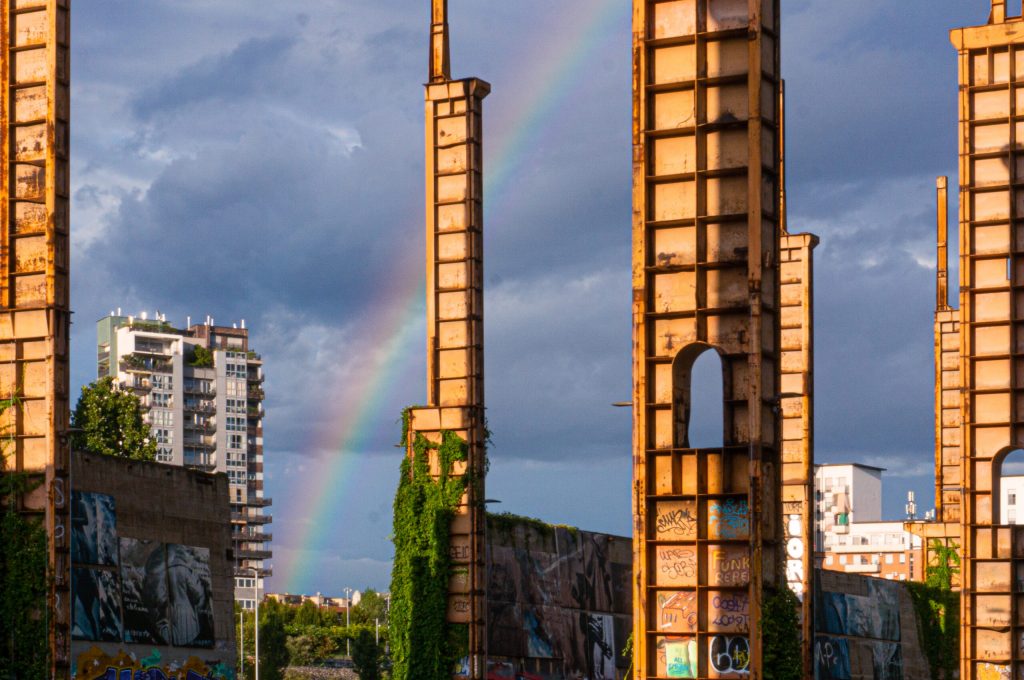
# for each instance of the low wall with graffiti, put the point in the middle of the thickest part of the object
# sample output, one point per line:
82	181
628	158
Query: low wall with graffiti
865	629
151	575
559	601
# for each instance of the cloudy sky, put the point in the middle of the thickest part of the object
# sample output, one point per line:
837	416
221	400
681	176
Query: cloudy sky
263	160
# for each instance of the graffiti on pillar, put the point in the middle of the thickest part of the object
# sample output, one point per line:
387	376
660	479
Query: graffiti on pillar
676	565
676	520
677	657
729	612
795	550
729	519
729	566
993	671
729	655
677	611
874	615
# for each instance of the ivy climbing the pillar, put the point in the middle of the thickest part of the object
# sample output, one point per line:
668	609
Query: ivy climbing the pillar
424	646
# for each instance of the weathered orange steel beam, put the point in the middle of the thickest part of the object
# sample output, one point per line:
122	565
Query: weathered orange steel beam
455	317
34	305
706	240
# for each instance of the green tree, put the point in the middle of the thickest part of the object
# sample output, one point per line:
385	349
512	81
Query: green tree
366	656
273	640
201	357
109	422
301	650
371	608
308	614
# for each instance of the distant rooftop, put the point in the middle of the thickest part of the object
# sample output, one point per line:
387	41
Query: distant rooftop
858	465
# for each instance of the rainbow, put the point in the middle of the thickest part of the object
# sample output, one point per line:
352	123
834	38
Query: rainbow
549	78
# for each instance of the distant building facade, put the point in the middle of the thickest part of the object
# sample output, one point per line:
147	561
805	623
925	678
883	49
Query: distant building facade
1011	499
202	395
850	535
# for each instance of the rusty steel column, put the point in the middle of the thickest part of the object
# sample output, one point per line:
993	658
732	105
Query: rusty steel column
455	316
947	375
991	71
34	291
706	238
796	412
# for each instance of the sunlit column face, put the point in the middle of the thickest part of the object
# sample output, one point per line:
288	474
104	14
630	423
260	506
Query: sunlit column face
34	316
706	254
988	336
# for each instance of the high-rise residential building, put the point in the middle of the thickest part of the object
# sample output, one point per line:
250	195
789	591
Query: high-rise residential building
201	390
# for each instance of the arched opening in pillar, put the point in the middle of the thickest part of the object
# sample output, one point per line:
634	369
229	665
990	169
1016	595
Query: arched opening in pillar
1008	488
699	393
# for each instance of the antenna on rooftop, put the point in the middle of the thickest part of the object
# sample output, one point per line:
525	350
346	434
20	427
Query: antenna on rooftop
911	506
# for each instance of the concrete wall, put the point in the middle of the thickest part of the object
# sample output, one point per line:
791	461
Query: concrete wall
865	629
559	601
152	571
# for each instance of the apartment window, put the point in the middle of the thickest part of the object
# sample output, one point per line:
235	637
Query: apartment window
888	559
164	455
235	424
165	418
162	436
235	405
162	399
235	388
235	370
903	558
829	560
235	441
842	559
1011	516
1011	498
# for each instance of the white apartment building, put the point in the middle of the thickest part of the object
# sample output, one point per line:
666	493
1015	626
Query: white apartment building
843	494
1011	499
850	535
201	391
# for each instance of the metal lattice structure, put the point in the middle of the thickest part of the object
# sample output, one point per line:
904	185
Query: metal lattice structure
708	535
455	335
34	288
991	365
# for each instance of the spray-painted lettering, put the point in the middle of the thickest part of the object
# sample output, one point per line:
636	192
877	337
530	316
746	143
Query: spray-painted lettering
729	519
730	654
677	611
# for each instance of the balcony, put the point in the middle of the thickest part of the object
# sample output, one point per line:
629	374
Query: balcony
246	554
254	378
246	573
198	389
254	502
255	394
207	427
198	443
135	362
199	408
257	537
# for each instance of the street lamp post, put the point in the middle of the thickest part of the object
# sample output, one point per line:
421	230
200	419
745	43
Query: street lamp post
256	586
348	630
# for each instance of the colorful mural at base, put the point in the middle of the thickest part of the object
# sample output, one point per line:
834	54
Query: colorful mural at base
96	664
860	630
559	601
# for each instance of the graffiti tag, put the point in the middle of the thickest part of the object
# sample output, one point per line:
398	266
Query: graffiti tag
729	519
678	657
677	519
795	555
677	611
730	654
730	567
732	611
677	564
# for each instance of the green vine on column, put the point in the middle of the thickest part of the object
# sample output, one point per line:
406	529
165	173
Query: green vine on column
23	574
424	646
